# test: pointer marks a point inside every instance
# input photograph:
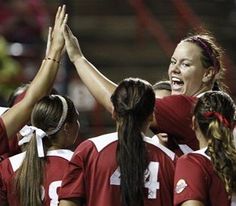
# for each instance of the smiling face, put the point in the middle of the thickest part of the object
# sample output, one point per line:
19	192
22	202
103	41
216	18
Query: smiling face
186	70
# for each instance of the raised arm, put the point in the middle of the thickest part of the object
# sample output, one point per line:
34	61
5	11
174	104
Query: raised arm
41	85
100	86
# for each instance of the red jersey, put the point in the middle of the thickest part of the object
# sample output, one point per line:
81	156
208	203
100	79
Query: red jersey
56	163
174	116
195	179
93	174
4	147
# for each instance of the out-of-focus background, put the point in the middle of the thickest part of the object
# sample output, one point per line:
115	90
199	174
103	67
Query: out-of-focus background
122	38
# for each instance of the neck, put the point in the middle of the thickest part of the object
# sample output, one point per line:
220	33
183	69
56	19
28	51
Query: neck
202	142
203	88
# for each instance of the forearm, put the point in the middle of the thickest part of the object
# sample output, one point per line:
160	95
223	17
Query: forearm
19	114
100	86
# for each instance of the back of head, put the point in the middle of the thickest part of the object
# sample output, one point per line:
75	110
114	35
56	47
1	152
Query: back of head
212	55
51	112
49	115
133	102
215	115
17	95
162	89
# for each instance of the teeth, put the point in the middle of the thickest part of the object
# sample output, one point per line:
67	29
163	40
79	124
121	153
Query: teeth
174	79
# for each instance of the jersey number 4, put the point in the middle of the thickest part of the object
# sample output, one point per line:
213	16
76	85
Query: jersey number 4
150	179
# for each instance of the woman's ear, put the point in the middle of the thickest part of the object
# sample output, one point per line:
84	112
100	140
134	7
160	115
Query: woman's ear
151	117
66	127
209	75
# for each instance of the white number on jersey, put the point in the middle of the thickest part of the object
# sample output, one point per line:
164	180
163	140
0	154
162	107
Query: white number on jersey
52	192
150	179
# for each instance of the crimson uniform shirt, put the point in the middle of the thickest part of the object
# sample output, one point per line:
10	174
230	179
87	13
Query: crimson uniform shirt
93	174
4	147
195	179
174	116
56	163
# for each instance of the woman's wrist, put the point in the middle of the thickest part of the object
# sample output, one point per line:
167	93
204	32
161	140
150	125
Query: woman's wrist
78	59
52	59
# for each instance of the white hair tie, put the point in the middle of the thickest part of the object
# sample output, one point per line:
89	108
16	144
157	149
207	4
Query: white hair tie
27	133
40	134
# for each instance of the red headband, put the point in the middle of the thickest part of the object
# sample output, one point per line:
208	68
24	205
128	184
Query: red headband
218	116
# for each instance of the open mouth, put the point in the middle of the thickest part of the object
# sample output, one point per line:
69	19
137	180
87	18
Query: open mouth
176	83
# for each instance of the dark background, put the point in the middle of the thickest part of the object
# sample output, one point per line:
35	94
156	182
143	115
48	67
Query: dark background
122	38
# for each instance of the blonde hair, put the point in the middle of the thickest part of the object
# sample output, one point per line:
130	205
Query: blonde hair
215	114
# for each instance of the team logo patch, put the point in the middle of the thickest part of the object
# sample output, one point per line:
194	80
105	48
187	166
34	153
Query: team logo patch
180	186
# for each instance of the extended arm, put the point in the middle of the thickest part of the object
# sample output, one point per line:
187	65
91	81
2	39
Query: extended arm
100	87
41	85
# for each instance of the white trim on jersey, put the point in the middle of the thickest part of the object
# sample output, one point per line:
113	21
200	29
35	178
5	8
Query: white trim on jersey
102	141
202	152
63	153
185	148
155	141
233	200
17	160
3	110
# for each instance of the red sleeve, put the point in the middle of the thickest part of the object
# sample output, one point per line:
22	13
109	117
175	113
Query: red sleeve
3	189
4	147
73	184
173	116
190	181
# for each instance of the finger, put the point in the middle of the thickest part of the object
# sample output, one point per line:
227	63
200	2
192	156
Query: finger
49	34
69	30
62	14
58	12
49	40
65	32
65	20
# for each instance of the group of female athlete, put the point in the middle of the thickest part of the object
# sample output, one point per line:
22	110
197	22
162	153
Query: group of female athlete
195	167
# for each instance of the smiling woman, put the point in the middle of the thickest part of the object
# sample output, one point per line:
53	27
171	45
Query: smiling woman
195	65
195	68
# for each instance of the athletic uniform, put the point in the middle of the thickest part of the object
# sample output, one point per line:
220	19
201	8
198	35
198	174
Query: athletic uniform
4	147
195	179
93	174
56	163
174	116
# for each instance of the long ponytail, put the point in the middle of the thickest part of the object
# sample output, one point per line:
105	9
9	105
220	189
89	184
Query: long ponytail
133	102
215	113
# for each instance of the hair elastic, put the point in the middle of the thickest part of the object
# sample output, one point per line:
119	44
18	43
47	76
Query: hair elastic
218	116
27	133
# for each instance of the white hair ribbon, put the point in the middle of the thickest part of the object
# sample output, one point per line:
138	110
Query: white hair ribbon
27	133
40	134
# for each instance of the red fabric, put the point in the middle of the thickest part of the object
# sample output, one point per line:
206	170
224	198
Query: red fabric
91	169
203	184
54	171
174	116
4	147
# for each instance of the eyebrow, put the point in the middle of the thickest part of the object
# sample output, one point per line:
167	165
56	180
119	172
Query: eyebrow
188	59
